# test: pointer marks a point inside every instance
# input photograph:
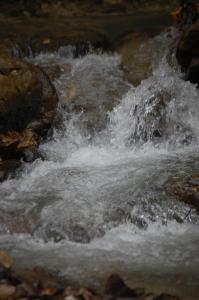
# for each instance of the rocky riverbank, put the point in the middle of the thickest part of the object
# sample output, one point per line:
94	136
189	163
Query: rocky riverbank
84	8
28	97
28	106
38	284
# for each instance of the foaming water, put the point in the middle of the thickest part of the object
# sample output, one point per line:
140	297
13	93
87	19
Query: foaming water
97	200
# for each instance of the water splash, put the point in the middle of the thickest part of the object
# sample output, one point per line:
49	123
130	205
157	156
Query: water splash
99	190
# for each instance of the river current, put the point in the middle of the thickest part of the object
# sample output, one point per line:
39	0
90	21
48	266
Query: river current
96	201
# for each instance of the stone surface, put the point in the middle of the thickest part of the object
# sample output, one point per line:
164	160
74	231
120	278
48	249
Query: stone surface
187	53
6	290
8	168
79	8
30	37
5	260
116	287
38	283
136	59
186	189
193	71
166	297
28	104
188	47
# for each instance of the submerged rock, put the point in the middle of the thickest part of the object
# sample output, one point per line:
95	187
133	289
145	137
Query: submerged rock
28	104
81	90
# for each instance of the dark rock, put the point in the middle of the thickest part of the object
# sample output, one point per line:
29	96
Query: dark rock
115	8
33	40
31	8
6	290
28	104
8	168
188	47
78	234
137	58
16	145
166	297
193	71
116	287
140	222
53	72
187	53
186	189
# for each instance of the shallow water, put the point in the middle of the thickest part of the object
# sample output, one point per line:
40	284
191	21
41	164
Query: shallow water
97	201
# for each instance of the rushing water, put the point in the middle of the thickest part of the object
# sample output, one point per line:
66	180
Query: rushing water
97	202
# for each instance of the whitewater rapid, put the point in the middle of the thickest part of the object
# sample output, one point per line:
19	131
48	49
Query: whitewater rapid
96	202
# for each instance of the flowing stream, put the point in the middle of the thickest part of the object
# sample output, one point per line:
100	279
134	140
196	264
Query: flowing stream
96	201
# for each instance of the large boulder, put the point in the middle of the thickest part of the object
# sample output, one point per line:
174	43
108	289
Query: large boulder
188	47
187	53
137	56
186	189
192	73
28	104
7	168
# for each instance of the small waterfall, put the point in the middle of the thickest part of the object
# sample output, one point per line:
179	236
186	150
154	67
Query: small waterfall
97	197
162	110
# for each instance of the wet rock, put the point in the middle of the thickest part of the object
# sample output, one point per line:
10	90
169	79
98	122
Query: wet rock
166	297
78	234
187	53
186	189
17	145
38	283
80	293
116	287
116	216
114	6
31	8
141	52
50	291
5	260
79	8
54	234
28	104
24	289
6	47
82	91
41	36
17	223
6	290
140	222
52	71
136	60
8	168
188	47
193	71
